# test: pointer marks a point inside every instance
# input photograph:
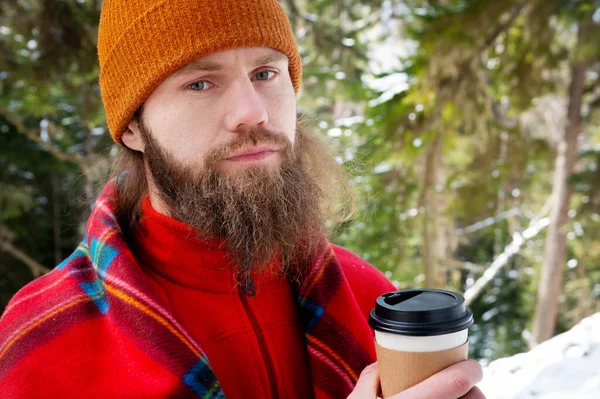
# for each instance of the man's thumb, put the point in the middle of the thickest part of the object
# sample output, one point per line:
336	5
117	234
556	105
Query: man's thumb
367	385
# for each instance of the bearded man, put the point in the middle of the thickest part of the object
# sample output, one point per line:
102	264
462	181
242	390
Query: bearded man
205	270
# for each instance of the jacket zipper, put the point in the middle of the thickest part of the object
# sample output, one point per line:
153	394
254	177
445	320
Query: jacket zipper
262	343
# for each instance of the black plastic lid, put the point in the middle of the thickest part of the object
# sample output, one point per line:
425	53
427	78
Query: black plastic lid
422	312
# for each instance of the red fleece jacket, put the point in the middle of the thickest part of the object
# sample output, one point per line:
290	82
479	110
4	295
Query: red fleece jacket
262	333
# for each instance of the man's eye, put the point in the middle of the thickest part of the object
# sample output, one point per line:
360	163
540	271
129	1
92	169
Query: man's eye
264	75
201	85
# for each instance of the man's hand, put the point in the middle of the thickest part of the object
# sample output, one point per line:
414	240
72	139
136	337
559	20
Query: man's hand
456	381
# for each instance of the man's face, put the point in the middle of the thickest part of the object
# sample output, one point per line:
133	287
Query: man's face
211	102
223	154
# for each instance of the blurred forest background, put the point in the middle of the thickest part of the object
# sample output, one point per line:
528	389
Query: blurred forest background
471	130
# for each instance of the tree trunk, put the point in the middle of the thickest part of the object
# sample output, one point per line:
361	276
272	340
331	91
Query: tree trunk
88	148
584	298
88	195
501	198
56	223
437	229
550	286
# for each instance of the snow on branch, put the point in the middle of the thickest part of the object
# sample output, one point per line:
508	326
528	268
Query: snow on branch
489	221
34	136
535	227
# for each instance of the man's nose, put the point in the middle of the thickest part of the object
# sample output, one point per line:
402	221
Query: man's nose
245	108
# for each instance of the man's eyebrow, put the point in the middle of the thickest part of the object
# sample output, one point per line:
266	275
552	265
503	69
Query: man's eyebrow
272	56
208	66
199	65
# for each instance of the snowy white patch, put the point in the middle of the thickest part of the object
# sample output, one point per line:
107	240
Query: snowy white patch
389	85
566	366
349	121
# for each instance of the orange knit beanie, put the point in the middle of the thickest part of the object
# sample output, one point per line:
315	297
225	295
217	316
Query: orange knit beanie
142	42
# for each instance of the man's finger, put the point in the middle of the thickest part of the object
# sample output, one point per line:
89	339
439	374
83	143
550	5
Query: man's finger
450	383
474	393
367	385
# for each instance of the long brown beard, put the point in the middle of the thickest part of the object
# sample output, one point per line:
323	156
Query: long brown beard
265	215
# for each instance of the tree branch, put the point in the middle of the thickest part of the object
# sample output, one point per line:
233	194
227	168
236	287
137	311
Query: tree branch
511	249
469	266
488	221
594	98
502	27
294	11
34	136
37	269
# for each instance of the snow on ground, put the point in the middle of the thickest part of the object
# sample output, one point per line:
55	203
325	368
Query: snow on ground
566	366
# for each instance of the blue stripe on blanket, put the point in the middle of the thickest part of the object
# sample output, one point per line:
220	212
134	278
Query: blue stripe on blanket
203	382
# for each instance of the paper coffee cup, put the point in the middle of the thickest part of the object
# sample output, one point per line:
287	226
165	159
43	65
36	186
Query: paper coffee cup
417	334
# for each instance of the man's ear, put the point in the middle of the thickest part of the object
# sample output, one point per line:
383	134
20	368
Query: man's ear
132	138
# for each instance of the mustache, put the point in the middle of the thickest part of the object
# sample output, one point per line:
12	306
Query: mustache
249	138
